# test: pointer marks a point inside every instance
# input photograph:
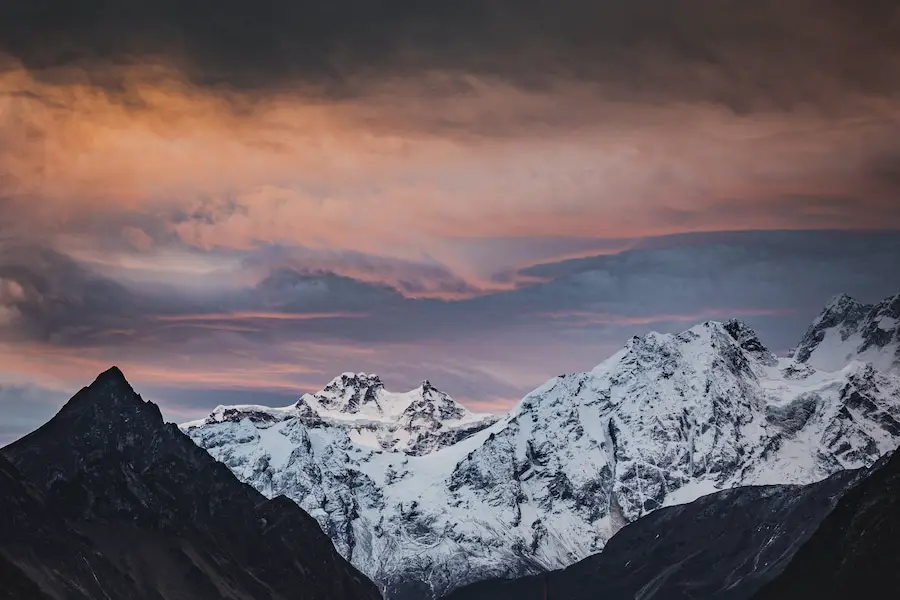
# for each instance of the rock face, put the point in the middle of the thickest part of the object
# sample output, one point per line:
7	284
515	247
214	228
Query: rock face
848	330
107	501
722	546
664	421
855	551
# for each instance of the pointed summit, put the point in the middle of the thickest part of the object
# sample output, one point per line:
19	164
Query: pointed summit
848	330
108	464
351	392
113	376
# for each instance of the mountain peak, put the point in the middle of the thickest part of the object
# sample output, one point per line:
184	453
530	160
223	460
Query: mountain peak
749	341
113	373
839	302
848	330
110	392
107	463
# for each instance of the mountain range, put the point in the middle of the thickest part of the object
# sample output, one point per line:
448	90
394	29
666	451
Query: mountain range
424	497
702	465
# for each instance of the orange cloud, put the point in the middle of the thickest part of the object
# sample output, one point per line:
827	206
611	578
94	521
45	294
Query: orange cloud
398	173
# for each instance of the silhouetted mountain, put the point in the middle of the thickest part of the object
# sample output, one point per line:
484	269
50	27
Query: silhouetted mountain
107	501
723	546
855	552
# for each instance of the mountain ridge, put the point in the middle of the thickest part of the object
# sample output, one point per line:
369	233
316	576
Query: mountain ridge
667	419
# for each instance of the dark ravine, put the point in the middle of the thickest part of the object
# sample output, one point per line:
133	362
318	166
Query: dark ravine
724	546
106	501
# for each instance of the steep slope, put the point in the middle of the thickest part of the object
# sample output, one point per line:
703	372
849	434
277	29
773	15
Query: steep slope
41	556
848	330
664	421
722	546
160	518
855	552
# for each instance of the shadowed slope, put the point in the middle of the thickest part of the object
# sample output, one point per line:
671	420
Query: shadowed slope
165	519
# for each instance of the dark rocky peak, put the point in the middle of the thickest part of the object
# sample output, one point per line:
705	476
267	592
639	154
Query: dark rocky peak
749	341
110	390
176	523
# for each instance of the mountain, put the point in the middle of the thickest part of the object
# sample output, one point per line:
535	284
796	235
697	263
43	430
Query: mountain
108	501
414	423
848	330
664	421
723	546
856	549
827	540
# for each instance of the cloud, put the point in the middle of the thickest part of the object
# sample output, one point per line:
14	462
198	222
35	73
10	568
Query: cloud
457	172
765	54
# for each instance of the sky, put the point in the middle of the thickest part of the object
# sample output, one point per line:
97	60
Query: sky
237	201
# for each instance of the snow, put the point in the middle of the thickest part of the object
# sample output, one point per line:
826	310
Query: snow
408	492
887	323
833	353
848	330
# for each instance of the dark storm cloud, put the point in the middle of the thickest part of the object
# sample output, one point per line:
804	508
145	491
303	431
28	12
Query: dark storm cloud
409	277
782	277
48	297
790	272
51	298
770	53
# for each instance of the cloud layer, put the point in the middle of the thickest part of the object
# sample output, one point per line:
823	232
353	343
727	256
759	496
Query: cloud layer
251	197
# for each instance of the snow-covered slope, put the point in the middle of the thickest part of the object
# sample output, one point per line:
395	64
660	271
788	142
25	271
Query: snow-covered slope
848	330
664	421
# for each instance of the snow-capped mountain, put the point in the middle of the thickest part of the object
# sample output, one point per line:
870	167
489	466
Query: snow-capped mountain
667	419
415	422
848	330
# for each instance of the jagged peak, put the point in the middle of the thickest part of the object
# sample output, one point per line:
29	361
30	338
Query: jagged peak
111	375
109	388
847	328
840	301
349	379
837	308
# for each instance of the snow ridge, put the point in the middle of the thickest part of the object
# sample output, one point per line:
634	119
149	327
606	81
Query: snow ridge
848	330
424	497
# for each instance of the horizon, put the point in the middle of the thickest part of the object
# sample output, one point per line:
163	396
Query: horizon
8	438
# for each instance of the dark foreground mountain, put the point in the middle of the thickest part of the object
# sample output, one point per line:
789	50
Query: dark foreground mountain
724	546
855	552
106	501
